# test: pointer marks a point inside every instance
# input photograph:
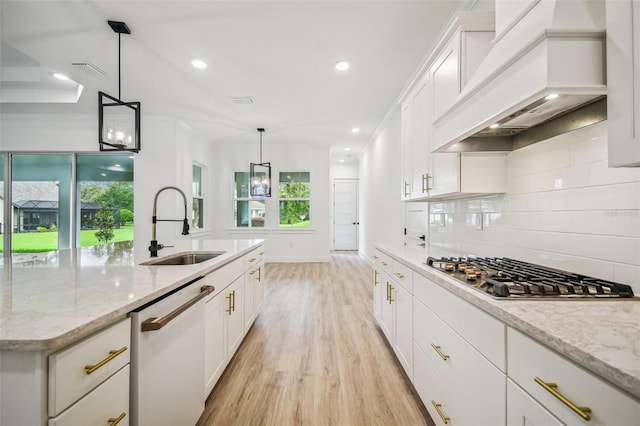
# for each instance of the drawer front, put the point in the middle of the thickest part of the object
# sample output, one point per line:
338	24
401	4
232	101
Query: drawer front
433	389
524	410
383	261
476	383
402	275
223	277
68	378
254	257
101	407
484	332
529	359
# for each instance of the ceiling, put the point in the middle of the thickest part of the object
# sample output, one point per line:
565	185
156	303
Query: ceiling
279	53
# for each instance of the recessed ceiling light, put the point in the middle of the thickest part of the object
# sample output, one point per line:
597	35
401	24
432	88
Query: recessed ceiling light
200	64
60	76
342	65
342	160
494	126
355	130
347	149
551	96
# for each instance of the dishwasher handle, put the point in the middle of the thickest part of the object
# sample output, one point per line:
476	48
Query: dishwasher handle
152	324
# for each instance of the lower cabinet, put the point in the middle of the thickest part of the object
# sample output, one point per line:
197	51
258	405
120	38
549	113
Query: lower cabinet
456	382
565	390
524	410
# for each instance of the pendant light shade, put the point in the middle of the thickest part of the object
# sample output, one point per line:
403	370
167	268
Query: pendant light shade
118	121
260	175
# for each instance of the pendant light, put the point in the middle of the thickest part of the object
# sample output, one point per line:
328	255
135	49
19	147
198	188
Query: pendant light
260	175
118	121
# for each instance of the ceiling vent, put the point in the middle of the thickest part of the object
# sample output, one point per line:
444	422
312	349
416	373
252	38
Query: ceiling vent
89	68
243	100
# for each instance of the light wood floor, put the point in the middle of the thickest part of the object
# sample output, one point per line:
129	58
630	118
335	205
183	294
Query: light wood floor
315	356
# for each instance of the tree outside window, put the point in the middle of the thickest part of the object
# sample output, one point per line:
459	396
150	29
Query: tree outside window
197	218
248	212
295	195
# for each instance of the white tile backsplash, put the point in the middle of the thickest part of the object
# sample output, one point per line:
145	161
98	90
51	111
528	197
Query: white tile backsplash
563	208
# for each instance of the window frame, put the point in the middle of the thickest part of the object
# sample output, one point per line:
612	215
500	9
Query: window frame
249	199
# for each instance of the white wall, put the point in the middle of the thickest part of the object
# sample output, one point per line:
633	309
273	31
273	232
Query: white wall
381	210
282	244
168	150
564	208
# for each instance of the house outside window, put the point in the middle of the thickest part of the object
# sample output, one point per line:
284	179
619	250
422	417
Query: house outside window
197	215
248	212
295	196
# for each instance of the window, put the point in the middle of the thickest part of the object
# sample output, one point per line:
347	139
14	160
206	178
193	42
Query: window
197	215
42	216
248	212
294	196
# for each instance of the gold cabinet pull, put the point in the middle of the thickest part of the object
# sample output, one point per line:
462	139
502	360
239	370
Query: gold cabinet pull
425	183
399	275
112	354
437	406
375	277
152	324
551	388
259	274
261	253
229	297
406	193
233	306
438	349
384	263
391	288
252	272
252	259
114	421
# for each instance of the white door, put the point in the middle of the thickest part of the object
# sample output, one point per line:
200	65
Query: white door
345	214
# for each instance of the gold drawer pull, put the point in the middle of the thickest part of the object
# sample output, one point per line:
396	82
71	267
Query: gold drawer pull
384	263
112	354
551	388
391	288
399	275
375	277
252	259
114	421
439	350
253	272
261	253
444	418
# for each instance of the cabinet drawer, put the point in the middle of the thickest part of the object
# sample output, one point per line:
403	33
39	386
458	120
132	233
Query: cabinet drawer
69	379
403	275
223	276
254	257
524	410
433	389
484	332
383	261
476	383
529	359
108	401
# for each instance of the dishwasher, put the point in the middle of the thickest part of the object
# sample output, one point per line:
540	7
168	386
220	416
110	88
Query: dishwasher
167	358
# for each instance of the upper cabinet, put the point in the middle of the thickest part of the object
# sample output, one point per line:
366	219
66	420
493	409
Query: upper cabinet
428	175
623	82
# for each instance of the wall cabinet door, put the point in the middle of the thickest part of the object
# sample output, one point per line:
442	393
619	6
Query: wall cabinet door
446	77
420	141
405	148
623	82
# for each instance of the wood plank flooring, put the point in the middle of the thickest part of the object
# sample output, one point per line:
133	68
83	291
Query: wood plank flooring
315	355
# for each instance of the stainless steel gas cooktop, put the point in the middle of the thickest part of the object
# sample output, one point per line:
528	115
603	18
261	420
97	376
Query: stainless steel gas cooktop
513	279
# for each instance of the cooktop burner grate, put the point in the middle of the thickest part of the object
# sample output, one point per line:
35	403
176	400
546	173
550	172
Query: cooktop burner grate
514	279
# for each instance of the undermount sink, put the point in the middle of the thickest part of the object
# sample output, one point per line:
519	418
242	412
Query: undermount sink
185	258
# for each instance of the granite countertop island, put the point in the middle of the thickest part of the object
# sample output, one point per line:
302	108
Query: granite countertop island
600	335
52	299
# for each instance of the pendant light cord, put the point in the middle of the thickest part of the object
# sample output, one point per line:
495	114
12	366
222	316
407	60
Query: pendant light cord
119	86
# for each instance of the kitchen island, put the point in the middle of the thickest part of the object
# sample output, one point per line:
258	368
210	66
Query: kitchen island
596	340
51	301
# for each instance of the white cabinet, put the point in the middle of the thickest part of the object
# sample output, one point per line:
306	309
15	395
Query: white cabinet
395	311
568	392
107	404
230	311
466	380
524	410
623	82
416	131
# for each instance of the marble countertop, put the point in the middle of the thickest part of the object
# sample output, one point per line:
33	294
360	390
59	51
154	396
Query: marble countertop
50	300
601	336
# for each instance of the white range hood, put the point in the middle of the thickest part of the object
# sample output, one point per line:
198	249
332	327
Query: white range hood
541	48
